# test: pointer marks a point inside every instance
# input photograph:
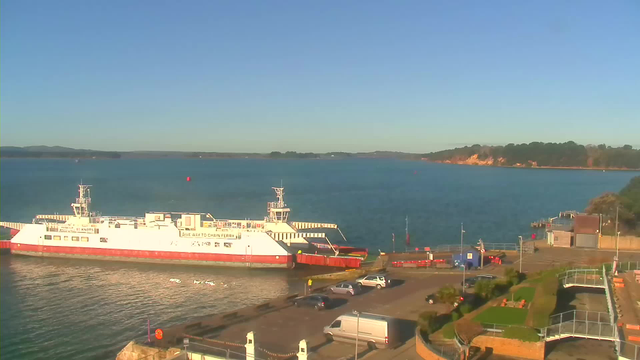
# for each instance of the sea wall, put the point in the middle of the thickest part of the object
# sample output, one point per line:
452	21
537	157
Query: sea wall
624	243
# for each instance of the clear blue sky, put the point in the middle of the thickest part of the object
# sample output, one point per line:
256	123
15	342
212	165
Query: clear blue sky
317	75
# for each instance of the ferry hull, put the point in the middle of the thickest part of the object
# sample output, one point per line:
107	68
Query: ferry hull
157	257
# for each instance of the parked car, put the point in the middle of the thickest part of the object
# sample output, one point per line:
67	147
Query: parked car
378	280
347	287
471	282
377	331
319	302
431	299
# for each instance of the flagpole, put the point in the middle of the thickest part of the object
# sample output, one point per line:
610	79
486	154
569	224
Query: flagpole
393	239
407	231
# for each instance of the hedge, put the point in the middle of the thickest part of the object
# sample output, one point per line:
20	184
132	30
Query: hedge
522	333
428	321
544	302
449	331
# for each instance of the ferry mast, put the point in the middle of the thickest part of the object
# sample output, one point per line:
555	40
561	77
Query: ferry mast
83	201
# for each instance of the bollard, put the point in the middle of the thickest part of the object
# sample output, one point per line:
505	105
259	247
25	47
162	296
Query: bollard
250	346
302	350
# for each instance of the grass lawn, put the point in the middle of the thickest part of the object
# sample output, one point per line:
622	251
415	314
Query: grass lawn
525	293
502	315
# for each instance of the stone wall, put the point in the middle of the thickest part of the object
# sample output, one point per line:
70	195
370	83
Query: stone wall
625	242
134	351
423	350
510	347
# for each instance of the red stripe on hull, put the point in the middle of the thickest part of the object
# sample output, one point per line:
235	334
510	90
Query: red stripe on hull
5	244
155	256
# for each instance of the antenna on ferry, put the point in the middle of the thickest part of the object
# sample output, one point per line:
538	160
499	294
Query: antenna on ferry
83	201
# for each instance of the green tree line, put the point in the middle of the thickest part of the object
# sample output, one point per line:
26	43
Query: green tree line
568	154
627	204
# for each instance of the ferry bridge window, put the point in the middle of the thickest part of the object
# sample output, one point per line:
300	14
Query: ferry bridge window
75	238
227	245
187	221
103	240
85	239
217	244
66	238
47	237
56	237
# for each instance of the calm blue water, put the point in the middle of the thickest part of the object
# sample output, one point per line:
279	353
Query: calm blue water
80	309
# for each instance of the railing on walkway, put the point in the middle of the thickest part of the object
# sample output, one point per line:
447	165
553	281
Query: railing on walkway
451	248
584	324
627	350
583	277
527	247
447	352
199	349
629	265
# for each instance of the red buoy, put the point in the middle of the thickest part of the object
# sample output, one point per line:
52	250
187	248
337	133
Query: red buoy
188	178
159	334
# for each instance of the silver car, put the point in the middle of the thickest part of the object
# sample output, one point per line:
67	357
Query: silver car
349	288
378	280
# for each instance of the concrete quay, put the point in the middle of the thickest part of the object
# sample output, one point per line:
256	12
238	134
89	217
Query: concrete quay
278	326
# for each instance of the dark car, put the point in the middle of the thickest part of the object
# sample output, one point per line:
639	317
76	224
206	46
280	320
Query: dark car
319	302
471	282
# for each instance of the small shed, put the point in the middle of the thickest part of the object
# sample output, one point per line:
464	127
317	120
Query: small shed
586	229
470	258
559	238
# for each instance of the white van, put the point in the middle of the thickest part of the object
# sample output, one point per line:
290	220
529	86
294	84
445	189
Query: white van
377	331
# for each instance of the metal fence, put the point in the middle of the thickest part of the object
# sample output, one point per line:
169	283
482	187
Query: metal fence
629	266
583	277
628	350
581	315
527	247
580	323
444	351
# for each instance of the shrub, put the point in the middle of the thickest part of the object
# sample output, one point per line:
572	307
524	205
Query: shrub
522	333
448	331
427	320
455	315
448	294
466	308
485	289
512	276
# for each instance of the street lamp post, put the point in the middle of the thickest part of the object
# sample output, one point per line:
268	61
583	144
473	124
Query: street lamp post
464	265
481	253
393	239
520	253
617	232
357	313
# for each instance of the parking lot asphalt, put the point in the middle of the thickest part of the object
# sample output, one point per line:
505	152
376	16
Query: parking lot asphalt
280	331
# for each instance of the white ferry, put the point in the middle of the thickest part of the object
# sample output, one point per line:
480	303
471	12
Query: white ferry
171	237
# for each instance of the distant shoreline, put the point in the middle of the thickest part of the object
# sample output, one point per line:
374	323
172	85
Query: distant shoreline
534	167
126	156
